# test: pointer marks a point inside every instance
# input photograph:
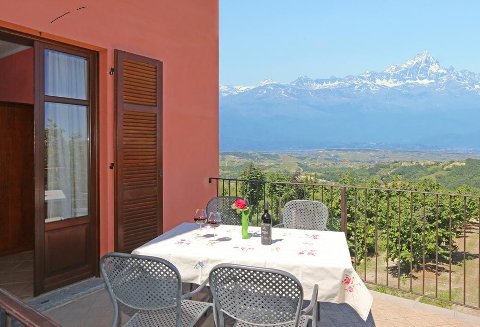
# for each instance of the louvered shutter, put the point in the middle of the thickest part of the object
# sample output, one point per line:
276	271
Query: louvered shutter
138	167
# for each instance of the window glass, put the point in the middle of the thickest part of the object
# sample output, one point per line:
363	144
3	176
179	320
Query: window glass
66	161
65	75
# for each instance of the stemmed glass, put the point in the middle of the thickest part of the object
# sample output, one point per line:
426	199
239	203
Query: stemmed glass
214	219
200	217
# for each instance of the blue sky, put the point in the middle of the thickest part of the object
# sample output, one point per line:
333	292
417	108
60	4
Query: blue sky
283	39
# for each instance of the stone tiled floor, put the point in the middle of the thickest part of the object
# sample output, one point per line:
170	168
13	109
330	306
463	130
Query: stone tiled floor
16	274
96	310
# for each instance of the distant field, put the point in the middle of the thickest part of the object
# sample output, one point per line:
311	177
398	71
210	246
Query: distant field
449	169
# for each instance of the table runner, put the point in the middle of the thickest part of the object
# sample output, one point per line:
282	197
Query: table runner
314	257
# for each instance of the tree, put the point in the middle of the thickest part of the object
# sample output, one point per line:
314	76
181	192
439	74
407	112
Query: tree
253	186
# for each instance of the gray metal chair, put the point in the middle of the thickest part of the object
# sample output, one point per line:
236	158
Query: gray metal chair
259	297
223	204
152	289
305	214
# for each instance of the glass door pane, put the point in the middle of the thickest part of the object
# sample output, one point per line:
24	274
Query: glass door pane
65	75
66	136
66	161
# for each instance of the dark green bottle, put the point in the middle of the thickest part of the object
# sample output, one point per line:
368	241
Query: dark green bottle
266	229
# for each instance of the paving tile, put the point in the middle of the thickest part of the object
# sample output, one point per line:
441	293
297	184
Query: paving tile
6	267
16	257
325	321
96	310
382	322
24	266
15	277
462	324
25	292
20	290
207	322
16	274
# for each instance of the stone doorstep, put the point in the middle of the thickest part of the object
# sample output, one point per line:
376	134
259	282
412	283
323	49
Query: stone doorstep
65	295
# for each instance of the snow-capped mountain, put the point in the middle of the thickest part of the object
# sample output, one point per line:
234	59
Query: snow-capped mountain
232	90
415	105
423	70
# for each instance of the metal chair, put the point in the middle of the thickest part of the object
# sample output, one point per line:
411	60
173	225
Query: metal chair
259	297
152	289
305	214
223	204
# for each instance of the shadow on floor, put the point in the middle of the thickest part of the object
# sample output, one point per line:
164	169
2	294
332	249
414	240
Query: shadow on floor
96	310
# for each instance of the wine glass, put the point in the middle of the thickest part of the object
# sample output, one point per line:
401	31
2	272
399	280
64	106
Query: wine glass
200	217
214	219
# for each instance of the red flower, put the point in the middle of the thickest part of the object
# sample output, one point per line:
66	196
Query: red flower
347	280
240	204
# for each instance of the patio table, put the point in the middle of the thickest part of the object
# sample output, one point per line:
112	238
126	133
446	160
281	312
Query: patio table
314	257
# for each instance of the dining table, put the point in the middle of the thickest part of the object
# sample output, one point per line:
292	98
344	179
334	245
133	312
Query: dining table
312	256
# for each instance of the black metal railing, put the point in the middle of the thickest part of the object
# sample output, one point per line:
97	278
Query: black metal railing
424	243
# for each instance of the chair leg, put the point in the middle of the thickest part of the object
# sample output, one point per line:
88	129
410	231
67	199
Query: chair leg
318	311
206	314
209	299
221	319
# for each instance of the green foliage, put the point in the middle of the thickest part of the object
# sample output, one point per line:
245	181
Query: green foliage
282	188
411	225
253	187
466	175
409	222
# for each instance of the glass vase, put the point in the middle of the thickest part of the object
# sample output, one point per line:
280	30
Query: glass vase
245	234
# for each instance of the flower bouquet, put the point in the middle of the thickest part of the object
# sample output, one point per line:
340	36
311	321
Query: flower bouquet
241	206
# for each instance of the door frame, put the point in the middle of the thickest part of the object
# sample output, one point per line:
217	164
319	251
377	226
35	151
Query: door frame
40	226
93	131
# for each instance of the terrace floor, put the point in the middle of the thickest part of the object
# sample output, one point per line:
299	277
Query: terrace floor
16	274
95	309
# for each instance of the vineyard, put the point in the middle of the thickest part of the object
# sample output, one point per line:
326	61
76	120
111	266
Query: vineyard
414	237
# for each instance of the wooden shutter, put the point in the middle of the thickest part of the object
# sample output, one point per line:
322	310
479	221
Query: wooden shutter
138	150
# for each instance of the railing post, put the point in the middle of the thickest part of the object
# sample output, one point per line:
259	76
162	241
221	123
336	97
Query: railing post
343	208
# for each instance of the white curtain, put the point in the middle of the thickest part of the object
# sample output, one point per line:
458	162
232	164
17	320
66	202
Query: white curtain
66	138
65	75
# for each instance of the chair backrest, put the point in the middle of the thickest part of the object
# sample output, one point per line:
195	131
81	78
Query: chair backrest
141	282
305	214
223	204
255	295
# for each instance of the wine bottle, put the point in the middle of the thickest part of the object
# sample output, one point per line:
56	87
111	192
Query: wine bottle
266	229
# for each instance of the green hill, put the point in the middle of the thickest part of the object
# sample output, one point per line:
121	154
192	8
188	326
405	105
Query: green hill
451	170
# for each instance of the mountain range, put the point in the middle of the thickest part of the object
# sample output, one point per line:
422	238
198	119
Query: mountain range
417	105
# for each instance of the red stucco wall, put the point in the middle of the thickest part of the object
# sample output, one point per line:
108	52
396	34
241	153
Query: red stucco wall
16	77
181	33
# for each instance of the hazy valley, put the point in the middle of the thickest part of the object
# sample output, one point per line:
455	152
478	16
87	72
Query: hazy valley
451	170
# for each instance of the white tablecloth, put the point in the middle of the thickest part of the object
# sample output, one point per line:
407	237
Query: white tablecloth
313	257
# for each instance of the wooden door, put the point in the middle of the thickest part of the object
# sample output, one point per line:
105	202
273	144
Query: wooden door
66	226
138	166
16	177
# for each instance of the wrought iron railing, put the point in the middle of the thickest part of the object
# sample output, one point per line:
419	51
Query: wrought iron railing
15	313
424	243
